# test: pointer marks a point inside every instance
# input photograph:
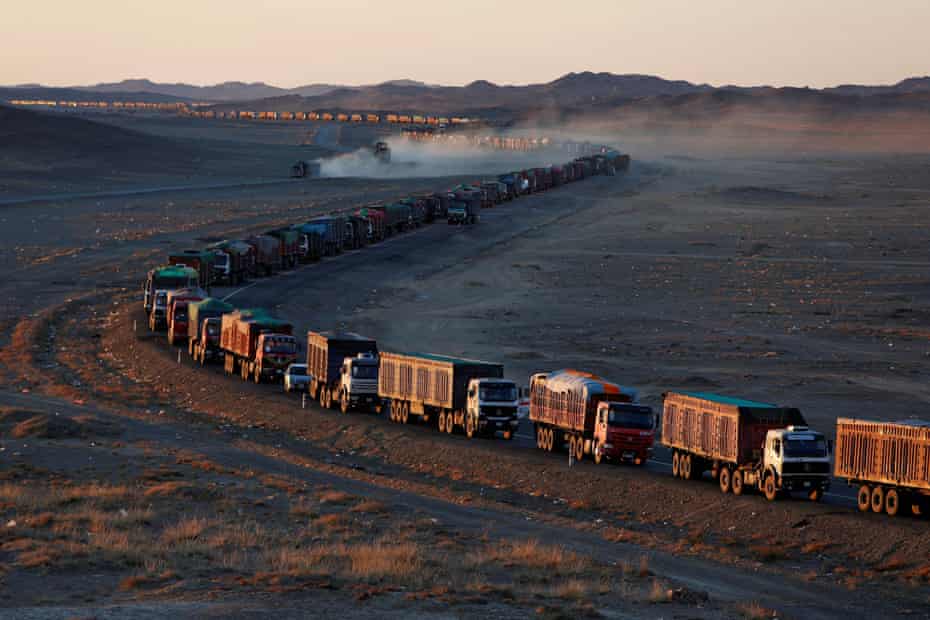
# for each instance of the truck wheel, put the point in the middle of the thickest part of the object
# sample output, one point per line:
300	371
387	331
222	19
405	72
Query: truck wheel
684	464
771	490
864	498
202	357
441	422
815	495
676	467
323	391
257	374
892	503
596	450
405	415
736	485
878	500
344	403
470	427
579	448
725	479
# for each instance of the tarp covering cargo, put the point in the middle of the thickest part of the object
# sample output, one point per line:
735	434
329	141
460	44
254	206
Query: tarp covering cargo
431	380
722	427
884	452
201	260
568	399
211	307
327	350
241	328
173	277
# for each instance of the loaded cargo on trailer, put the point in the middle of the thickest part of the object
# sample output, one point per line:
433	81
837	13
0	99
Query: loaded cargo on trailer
592	415
458	393
177	303
745	444
166	279
890	461
201	260
256	345
203	328
343	368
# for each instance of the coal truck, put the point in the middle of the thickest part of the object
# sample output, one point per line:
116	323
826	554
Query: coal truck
232	261
343	369
459	394
165	279
256	345
177	302
591	415
745	445
203	328
267	251
889	461
289	246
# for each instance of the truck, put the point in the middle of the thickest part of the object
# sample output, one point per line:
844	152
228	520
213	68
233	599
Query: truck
889	461
744	444
465	394
592	415
201	260
203	328
397	217
267	251
311	243
256	345
462	212
232	261
358	229
331	230
382	152
343	368
375	222
166	278
176	317
289	246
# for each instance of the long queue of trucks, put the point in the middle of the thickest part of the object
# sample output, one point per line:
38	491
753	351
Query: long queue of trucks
744	445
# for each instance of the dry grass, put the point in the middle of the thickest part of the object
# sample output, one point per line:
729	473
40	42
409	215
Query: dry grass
166	488
815	547
370	507
572	589
894	563
530	554
755	611
185	530
336	497
384	560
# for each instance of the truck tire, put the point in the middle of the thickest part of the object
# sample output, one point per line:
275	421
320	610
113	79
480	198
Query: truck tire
770	488
864	498
323	391
736	485
684	465
878	500
405	414
892	502
579	448
470	429
257	374
676	464
725	479
441	422
344	402
596	452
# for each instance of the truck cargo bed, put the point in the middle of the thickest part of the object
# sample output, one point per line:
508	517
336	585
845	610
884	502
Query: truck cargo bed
880	452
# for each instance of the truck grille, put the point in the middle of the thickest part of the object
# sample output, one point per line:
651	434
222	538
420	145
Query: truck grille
805	468
363	385
499	411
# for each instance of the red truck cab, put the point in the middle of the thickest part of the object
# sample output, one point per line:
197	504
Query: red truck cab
624	432
176	315
274	353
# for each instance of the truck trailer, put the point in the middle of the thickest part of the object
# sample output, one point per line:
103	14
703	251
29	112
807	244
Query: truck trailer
203	328
745	444
256	346
458	393
289	246
165	279
201	260
890	461
343	368
590	414
177	316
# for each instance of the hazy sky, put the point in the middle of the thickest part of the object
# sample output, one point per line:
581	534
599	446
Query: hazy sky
295	42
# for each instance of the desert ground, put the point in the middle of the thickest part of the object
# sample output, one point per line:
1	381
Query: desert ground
135	484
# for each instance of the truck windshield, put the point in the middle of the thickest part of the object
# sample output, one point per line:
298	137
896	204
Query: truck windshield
172	283
624	417
297	371
278	345
491	392
364	372
815	447
220	260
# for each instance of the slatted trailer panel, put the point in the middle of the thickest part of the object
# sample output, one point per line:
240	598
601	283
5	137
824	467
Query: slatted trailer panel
568	399
431	380
721	428
895	454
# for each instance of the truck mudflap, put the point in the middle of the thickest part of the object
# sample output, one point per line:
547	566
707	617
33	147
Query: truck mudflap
792	483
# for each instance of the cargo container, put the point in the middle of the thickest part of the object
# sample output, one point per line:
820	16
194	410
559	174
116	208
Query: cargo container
312	247
256	346
343	369
592	415
417	210
397	217
890	461
375	223
203	331
166	279
267	251
744	444
201	260
289	246
457	393
357	231
331	229
177	303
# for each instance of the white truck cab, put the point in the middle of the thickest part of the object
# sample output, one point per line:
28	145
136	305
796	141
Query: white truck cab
492	406
797	459
358	383
159	315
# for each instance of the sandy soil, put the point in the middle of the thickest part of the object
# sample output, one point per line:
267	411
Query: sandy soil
797	281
